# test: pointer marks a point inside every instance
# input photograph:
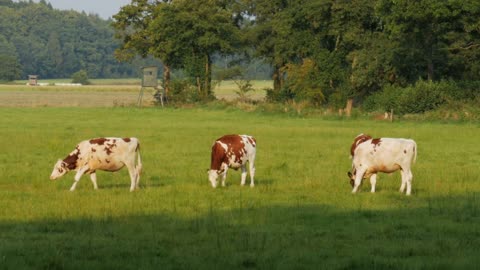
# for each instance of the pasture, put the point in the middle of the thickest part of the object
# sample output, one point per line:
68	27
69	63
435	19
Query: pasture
300	214
103	93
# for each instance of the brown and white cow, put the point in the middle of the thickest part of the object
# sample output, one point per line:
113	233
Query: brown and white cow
232	151
106	154
387	155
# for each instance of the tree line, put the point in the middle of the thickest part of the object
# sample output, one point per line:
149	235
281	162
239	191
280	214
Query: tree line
323	51
37	39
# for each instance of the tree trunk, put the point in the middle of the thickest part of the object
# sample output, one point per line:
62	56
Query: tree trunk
199	86
430	70
166	79
348	108
277	78
208	76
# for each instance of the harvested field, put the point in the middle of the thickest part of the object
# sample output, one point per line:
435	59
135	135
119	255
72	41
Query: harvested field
101	95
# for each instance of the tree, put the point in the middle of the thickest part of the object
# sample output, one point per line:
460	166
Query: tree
10	67
266	37
183	34
80	77
420	29
138	34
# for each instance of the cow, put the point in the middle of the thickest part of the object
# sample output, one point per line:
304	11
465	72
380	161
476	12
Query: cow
232	151
387	155
106	154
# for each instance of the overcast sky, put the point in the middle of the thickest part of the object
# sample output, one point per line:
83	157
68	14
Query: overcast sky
104	8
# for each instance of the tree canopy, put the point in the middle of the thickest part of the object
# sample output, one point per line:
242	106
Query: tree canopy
37	39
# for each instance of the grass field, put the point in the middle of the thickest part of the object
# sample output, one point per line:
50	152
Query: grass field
300	214
103	93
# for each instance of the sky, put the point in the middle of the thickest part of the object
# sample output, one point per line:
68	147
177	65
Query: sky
104	8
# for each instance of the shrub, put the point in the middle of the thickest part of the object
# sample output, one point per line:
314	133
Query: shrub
244	86
385	100
182	91
285	94
80	77
422	97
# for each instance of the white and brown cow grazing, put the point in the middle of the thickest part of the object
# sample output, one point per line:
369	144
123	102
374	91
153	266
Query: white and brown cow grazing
370	156
106	154
232	151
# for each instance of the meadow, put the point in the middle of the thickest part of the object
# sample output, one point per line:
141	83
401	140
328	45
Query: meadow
300	214
102	93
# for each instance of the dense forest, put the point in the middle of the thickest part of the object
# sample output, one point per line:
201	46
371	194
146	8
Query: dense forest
322	51
381	53
37	39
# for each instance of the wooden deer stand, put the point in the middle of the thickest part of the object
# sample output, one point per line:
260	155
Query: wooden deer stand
149	79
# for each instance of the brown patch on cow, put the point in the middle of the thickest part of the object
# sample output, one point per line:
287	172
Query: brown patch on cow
405	151
94	150
108	150
218	155
109	147
252	141
358	140
126	139
376	141
235	147
71	160
99	141
106	160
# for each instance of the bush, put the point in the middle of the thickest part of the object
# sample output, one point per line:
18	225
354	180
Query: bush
244	86
385	100
182	91
285	94
422	97
80	77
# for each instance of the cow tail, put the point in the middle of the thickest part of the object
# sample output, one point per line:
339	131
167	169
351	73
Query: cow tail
415	149
138	167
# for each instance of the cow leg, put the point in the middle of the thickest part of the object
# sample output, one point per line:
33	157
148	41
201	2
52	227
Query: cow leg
224	175
358	180
138	170
404	181
409	182
133	175
244	174
93	177
79	174
251	165
373	182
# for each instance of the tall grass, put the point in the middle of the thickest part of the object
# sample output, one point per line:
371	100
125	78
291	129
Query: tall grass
300	215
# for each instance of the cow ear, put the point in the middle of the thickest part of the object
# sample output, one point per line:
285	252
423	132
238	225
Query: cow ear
349	174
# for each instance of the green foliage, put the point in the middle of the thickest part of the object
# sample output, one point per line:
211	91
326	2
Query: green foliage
10	68
285	94
244	87
421	97
182	91
80	77
55	44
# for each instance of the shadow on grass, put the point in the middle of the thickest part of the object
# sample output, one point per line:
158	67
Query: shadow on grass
445	234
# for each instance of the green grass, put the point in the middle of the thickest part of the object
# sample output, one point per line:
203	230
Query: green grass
300	215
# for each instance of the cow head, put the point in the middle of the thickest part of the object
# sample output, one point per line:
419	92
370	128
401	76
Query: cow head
212	177
59	170
351	176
